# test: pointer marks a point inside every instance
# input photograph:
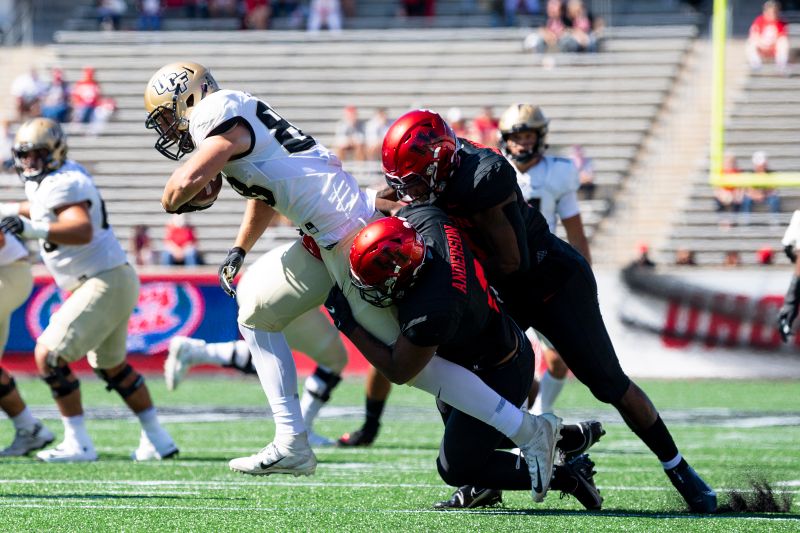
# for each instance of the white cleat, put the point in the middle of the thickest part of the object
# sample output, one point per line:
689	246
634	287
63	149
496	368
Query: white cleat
69	452
315	440
147	451
540	451
29	440
298	460
180	359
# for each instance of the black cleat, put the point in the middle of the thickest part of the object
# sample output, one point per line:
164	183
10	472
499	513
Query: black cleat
698	495
361	437
592	430
576	477
469	497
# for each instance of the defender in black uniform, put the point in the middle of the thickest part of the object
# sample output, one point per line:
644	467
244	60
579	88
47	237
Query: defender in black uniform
445	306
543	282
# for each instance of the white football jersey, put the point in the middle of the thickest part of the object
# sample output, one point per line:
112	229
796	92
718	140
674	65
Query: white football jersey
12	250
294	174
552	187
70	264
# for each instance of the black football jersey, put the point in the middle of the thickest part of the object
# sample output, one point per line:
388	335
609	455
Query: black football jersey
451	304
484	179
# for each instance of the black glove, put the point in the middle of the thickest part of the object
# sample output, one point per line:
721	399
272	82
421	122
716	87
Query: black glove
12	225
339	308
789	310
229	268
188	208
790	253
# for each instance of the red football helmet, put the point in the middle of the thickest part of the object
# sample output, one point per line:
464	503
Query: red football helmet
385	259
420	153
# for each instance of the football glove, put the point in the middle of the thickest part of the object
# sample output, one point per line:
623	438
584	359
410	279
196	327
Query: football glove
790	253
229	268
23	227
188	208
788	312
339	308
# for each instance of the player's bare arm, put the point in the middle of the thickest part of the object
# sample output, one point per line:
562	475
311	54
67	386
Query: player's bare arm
386	202
577	236
73	225
206	162
256	219
501	237
399	364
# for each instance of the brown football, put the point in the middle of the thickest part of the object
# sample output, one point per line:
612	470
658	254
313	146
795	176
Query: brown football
208	194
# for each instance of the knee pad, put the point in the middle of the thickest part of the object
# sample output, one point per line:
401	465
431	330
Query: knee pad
115	383
59	383
321	383
9	387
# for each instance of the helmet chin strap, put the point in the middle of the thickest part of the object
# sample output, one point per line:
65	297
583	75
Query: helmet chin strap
524	157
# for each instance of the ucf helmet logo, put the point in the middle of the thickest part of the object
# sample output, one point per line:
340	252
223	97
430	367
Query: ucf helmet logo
172	82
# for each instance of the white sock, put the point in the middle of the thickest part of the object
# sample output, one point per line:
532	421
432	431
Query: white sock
549	389
75	430
24	420
152	427
241	354
310	404
276	371
463	390
672	463
217	353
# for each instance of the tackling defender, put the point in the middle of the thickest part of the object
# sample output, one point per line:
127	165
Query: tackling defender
543	281
279	169
16	282
66	214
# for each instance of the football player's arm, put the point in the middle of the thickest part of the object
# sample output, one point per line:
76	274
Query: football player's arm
502	227
399	363
73	225
577	236
10	209
206	162
386	202
256	219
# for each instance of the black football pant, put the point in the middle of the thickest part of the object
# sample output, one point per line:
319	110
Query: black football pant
559	298
469	452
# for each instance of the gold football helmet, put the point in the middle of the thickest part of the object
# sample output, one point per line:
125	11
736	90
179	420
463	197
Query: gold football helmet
40	147
169	99
523	117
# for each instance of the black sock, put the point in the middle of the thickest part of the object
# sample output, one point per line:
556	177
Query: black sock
658	439
374	412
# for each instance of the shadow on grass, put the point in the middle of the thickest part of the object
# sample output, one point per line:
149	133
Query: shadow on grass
619	513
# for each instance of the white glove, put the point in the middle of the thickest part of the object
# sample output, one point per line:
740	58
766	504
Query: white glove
9	209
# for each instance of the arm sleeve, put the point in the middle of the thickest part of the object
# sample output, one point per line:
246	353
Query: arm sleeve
568	205
68	191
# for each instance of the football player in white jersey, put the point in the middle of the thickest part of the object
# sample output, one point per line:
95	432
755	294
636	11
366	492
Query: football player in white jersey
66	214
549	184
16	282
279	169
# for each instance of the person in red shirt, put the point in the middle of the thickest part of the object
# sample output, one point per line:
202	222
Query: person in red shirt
85	97
483	129
180	243
769	38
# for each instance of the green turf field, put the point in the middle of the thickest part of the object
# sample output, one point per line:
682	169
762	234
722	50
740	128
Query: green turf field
730	431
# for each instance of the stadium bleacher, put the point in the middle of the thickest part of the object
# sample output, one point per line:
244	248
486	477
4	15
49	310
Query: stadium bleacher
606	101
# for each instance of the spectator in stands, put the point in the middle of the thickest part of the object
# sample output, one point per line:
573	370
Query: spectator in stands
326	13
729	198
55	100
483	128
222	8
644	257
27	90
416	8
256	14
85	97
141	247
732	259
6	143
583	29
548	36
585	167
374	130
109	14
765	256
769	39
684	256
350	135
149	15
512	8
180	243
761	195
459	124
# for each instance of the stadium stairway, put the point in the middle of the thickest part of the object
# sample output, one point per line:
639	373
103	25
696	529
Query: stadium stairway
607	102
